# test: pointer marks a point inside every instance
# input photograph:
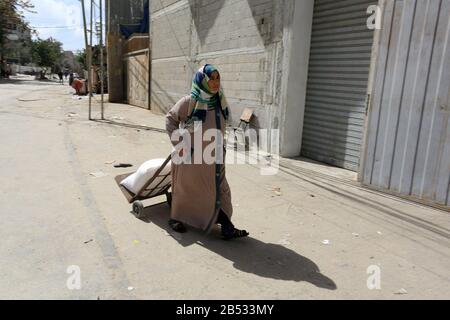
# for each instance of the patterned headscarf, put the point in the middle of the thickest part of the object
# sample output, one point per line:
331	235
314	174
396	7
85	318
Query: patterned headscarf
202	98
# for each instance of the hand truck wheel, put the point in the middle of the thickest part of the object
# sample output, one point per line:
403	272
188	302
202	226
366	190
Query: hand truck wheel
138	209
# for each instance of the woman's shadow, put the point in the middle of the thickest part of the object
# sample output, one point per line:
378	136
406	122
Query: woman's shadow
248	255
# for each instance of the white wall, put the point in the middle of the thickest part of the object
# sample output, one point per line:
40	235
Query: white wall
261	48
237	36
297	35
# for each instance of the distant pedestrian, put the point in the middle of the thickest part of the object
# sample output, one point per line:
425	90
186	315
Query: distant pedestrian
61	79
71	78
8	71
3	69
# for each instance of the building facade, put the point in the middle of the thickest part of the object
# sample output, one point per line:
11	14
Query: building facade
17	43
359	84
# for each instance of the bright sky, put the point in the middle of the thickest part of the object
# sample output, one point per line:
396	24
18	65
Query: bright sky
66	16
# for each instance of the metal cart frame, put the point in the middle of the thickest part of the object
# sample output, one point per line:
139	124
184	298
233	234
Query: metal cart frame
144	193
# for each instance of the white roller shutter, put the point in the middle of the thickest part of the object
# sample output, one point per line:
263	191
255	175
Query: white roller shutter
341	46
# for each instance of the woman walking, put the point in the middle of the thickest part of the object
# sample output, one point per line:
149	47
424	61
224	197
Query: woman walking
201	196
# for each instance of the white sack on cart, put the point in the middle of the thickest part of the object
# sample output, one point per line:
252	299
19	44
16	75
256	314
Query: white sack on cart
146	171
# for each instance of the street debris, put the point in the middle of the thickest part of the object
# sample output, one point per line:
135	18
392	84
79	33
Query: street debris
90	240
110	162
130	288
401	291
123	165
326	242
117	118
136	242
98	174
379	232
312	196
72	114
355	234
276	190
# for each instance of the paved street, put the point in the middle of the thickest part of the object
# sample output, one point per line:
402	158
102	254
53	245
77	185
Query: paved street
314	233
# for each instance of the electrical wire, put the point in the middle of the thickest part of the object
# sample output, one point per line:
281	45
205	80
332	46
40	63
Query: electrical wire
56	27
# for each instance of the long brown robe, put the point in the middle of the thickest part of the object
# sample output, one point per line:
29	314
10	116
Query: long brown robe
195	200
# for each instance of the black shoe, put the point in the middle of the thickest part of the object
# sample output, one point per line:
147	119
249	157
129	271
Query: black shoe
177	226
233	233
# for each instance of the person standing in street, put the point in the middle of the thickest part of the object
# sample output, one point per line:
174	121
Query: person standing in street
201	196
60	75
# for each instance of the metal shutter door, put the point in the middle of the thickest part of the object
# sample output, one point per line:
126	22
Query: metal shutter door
341	46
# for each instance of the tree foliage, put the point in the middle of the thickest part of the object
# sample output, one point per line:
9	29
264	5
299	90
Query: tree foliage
80	57
47	53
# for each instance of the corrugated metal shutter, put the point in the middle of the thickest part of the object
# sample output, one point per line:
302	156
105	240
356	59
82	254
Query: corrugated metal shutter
408	137
341	46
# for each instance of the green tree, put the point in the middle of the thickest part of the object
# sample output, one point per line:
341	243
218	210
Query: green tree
47	54
80	57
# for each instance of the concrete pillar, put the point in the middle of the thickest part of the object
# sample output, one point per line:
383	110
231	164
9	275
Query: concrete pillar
296	43
114	47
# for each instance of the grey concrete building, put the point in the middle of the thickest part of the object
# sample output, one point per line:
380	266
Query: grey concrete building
16	45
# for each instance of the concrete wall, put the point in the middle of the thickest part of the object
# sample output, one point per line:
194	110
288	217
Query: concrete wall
243	38
171	50
114	47
123	12
119	12
297	39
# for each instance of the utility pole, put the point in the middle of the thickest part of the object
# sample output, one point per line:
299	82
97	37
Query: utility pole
90	63
149	96
101	56
87	44
84	24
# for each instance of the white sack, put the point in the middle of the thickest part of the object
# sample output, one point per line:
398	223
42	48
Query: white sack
146	171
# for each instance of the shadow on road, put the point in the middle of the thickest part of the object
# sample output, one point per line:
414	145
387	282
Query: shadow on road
19	81
132	126
249	255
